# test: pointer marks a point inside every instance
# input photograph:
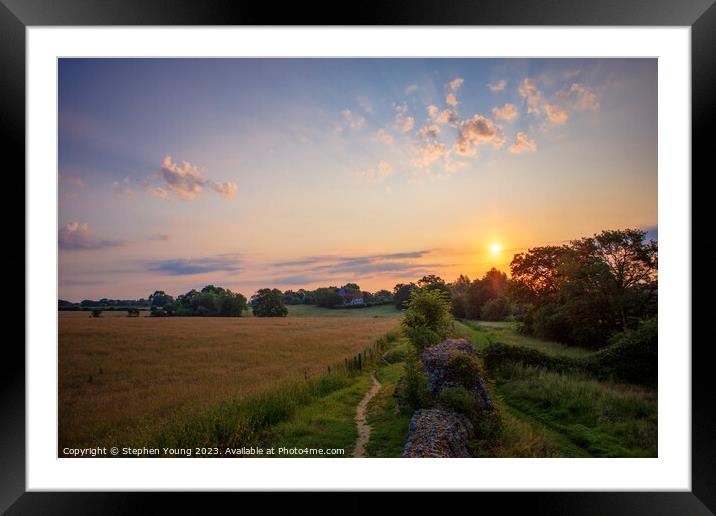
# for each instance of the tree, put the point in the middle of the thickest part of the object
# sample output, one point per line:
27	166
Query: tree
401	294
327	297
622	266
160	298
536	274
433	282
232	305
270	303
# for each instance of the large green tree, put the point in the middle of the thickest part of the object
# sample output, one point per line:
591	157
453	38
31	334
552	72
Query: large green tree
269	303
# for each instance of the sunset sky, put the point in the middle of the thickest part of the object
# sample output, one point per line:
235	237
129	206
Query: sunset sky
291	173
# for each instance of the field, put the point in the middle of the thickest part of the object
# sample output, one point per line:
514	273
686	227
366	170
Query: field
564	414
123	379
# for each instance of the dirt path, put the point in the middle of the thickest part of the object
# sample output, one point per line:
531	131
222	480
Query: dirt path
363	427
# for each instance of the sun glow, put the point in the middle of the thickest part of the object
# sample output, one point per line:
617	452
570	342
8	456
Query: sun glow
495	248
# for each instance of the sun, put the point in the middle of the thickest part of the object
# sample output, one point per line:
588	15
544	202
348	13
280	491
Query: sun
495	248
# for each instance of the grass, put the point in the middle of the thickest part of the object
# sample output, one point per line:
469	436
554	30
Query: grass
506	332
382	311
325	423
123	380
389	427
547	414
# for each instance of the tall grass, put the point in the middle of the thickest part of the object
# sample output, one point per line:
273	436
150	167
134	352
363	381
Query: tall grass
606	420
242	423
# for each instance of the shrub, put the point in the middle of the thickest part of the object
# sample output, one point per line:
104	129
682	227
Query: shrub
460	400
496	354
395	355
496	309
631	355
428	308
415	385
464	369
422	337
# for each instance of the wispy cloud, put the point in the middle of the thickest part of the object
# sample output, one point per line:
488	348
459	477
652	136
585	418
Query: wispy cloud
187	266
376	174
410	89
352	120
315	269
497	86
77	236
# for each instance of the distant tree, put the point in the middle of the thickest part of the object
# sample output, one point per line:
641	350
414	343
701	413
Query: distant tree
270	303
96	312
132	312
351	287
401	294
327	297
160	298
433	282
232	304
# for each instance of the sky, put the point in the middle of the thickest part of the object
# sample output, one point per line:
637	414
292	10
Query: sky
298	173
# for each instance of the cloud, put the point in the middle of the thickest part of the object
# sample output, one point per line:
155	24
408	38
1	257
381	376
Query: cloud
528	90
321	268
123	188
430	131
376	174
406	125
73	181
404	122
428	153
452	87
366	104
498	86
447	116
183	180
383	136
186	182
187	267
161	237
411	88
225	189
522	144
352	120
156	191
506	112
455	83
77	236
473	132
555	114
585	99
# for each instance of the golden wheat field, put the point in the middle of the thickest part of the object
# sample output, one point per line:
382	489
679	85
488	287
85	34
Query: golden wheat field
123	377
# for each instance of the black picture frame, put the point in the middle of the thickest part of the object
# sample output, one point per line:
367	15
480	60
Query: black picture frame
16	15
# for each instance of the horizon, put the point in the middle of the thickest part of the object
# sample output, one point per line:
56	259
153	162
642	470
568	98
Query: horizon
299	173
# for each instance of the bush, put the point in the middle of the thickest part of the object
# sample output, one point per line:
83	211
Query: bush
496	309
465	370
497	354
421	337
428	308
631	355
415	384
460	400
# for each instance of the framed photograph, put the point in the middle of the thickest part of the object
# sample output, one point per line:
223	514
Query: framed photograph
273	252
